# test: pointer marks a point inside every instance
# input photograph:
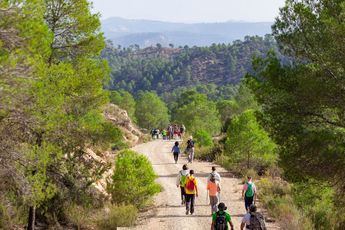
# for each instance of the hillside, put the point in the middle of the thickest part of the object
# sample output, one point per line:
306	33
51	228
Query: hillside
126	32
165	69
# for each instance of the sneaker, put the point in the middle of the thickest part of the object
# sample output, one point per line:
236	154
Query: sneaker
192	213
187	212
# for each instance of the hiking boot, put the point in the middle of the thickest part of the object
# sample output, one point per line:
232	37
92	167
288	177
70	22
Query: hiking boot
187	212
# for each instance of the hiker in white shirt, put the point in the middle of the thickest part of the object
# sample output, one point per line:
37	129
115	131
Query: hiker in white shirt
215	174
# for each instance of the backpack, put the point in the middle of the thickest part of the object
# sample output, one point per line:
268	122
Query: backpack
183	179
257	222
220	223
190	144
190	184
250	190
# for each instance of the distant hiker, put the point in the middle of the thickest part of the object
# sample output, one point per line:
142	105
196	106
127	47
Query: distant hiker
253	220
176	131
181	182
190	149
164	134
191	189
249	193
155	133
176	151
171	132
213	188
221	219
182	130
214	174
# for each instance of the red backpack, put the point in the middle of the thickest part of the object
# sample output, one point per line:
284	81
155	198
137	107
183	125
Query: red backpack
190	184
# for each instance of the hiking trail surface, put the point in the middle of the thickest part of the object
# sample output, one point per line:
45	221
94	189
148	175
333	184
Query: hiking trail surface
168	213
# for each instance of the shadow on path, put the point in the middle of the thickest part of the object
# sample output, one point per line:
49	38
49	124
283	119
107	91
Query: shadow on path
225	175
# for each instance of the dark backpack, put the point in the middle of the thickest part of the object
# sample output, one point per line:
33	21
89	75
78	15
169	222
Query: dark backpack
257	222
190	144
220	223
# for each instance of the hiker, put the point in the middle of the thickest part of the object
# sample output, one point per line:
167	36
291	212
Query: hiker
253	220
182	130
213	188
191	189
176	151
164	134
155	133
215	174
190	149
221	219
181	182
176	131
249	193
171	132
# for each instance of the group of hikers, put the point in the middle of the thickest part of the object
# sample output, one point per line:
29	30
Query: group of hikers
221	219
189	150
172	132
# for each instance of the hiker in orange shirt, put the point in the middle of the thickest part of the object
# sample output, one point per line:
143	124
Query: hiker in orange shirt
191	189
213	189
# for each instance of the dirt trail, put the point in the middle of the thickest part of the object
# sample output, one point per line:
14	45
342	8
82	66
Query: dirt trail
168	212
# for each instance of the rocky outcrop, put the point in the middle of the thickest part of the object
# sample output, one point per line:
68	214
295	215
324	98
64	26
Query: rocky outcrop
132	136
120	118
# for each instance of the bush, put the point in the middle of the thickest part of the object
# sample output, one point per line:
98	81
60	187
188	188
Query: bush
203	138
133	182
117	216
316	199
77	215
276	197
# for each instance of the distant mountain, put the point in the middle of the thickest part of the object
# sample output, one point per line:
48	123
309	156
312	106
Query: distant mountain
126	32
168	69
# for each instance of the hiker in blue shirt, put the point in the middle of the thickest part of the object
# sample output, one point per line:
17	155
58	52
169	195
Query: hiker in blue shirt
176	151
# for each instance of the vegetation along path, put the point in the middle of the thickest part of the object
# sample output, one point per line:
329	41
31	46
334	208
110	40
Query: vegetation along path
168	212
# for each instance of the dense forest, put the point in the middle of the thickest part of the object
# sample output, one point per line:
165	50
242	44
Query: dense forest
166	69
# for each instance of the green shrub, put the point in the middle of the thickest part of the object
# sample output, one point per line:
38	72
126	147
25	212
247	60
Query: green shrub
133	181
117	216
275	195
77	215
203	138
316	199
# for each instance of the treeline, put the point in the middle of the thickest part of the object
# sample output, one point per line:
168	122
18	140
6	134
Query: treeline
51	101
302	106
166	69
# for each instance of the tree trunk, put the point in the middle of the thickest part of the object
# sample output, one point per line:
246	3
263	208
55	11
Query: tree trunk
32	217
248	160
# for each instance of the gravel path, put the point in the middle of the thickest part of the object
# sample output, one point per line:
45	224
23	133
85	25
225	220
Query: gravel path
168	212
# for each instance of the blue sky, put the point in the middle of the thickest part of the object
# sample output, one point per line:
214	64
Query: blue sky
190	10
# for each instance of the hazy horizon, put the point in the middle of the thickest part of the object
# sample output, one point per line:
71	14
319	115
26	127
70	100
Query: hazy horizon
190	11
196	22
